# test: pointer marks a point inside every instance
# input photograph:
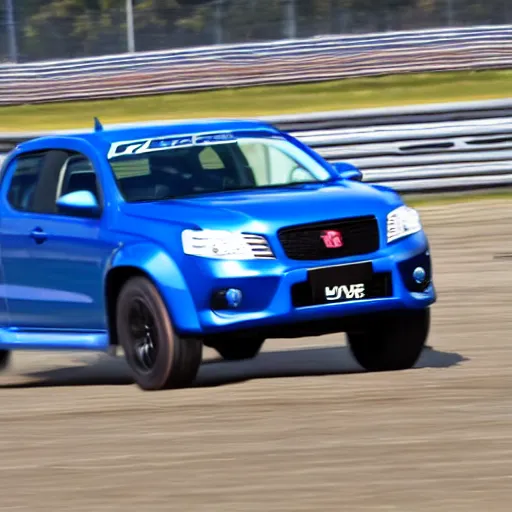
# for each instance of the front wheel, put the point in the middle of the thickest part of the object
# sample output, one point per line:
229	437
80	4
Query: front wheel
391	342
158	357
5	359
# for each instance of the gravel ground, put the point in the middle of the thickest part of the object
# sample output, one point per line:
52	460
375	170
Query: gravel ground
299	428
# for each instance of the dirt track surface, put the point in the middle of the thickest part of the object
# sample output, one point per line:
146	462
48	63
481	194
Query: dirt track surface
300	427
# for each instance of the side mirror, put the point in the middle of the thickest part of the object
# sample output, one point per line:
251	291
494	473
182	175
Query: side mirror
81	203
347	171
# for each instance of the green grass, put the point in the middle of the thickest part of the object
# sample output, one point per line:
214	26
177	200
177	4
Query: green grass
417	201
256	101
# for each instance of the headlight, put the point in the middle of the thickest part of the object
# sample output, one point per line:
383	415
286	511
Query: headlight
210	243
402	222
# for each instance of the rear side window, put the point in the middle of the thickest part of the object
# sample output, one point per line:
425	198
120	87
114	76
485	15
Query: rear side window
24	181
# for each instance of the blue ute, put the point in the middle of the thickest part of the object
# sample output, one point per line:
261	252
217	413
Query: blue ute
161	239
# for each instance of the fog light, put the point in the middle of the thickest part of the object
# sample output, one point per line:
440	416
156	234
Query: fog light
419	275
233	297
229	298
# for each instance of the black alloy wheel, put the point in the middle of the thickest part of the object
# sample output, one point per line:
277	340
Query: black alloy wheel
158	357
143	335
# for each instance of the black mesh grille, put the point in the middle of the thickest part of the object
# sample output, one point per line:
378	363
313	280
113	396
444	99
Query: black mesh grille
379	287
360	235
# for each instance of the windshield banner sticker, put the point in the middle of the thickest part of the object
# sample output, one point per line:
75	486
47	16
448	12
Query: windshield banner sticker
136	147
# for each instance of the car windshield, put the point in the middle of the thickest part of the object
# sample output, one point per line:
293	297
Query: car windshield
151	170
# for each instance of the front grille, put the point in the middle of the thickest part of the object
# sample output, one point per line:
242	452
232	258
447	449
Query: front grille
360	235
379	287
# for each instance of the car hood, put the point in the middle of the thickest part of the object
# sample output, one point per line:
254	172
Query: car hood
266	210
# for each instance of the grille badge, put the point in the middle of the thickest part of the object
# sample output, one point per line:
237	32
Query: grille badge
332	239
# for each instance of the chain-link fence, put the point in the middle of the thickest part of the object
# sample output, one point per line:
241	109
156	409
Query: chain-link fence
60	29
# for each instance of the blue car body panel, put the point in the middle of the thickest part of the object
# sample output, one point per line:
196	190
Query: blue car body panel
53	288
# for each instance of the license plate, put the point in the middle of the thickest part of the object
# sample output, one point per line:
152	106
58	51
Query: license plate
340	283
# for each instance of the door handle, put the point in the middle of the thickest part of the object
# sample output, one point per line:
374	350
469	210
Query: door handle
38	235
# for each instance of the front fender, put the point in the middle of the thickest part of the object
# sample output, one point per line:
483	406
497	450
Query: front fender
167	277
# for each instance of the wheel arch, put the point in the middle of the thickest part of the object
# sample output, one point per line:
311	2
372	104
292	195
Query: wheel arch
156	265
115	280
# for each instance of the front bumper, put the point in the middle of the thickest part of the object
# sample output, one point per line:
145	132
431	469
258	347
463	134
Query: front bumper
275	292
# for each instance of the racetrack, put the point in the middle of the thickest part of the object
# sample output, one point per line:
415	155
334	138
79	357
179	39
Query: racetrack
300	427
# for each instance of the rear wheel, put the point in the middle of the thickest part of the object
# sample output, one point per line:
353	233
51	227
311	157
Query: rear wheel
157	356
5	359
238	349
391	342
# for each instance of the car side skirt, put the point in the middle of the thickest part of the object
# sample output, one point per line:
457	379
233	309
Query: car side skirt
13	339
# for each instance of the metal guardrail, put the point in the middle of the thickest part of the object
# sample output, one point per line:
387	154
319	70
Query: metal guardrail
426	148
277	62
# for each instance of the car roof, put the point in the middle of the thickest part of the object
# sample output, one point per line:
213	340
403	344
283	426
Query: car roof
134	131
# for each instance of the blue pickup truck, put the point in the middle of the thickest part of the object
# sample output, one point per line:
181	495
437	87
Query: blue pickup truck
162	239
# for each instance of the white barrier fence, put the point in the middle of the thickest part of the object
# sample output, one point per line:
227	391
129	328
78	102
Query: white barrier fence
277	62
411	149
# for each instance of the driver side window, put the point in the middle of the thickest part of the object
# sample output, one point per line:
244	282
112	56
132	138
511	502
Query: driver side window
77	174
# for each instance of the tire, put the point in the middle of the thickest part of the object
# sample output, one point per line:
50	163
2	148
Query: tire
5	359
392	342
157	356
239	349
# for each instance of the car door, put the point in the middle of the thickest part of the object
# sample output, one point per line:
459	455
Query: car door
53	262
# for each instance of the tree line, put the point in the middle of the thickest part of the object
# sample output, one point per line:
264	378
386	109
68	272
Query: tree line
48	29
